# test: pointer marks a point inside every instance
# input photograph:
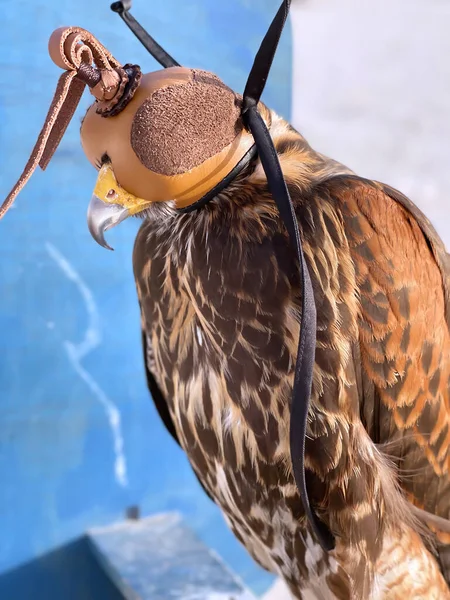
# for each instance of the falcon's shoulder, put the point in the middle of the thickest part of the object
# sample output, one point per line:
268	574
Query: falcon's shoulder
402	274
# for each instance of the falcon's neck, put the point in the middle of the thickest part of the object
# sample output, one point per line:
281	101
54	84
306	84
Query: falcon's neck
248	197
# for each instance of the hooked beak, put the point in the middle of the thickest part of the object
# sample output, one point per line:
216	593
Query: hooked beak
101	217
110	205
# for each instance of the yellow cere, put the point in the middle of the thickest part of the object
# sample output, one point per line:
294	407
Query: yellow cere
108	190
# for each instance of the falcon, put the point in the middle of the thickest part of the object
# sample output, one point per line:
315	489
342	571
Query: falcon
330	457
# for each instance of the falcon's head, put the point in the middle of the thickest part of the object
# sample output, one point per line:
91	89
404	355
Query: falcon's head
177	139
176	135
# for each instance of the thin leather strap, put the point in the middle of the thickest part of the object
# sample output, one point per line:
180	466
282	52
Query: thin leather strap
307	343
245	160
66	98
75	49
150	44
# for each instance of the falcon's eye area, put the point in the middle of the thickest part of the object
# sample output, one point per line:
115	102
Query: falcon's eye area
99	162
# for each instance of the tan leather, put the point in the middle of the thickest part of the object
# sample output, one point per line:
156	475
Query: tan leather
69	48
68	93
86	61
112	136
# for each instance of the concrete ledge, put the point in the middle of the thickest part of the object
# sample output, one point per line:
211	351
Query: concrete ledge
160	558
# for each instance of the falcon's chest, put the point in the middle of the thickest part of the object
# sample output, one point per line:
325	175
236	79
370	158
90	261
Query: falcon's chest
223	334
244	469
221	316
223	326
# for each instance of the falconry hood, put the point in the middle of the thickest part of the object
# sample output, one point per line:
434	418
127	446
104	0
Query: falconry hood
178	135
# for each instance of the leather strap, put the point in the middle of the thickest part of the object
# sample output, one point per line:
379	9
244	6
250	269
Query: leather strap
245	160
151	45
74	50
262	64
66	98
307	343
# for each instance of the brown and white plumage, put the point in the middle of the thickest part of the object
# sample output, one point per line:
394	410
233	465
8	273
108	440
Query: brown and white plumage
219	295
219	291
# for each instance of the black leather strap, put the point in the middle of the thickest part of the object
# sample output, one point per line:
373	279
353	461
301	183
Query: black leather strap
262	64
307	343
245	160
157	51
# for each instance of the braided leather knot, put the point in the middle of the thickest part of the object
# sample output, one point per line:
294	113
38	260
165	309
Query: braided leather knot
75	49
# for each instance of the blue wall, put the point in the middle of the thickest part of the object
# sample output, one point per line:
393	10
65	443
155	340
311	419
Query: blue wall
79	437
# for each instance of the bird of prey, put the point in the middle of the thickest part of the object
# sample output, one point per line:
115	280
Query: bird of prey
221	295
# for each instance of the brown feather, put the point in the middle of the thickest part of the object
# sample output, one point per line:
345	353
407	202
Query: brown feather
220	300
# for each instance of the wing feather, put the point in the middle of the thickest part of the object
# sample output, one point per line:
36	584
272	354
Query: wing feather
403	279
155	390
